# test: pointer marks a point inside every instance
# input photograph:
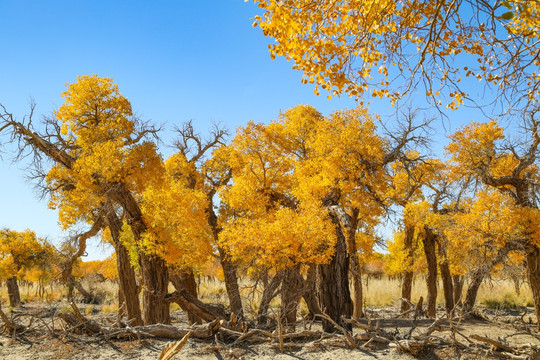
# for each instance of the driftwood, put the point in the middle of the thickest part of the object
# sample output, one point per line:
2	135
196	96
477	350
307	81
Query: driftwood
205	331
77	321
411	346
348	334
190	303
170	351
493	343
233	333
9	326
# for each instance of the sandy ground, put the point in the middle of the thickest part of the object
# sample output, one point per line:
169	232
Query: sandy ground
503	326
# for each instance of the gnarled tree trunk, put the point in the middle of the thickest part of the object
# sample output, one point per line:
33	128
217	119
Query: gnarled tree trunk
477	276
333	283
155	281
458	280
446	277
185	280
13	292
291	290
231	283
309	294
533	275
431	280
229	268
268	294
406	286
126	274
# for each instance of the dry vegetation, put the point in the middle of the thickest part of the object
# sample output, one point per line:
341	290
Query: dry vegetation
501	328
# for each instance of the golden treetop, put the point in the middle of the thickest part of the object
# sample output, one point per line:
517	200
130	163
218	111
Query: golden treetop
388	48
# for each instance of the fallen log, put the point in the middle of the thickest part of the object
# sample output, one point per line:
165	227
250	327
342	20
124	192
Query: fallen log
411	346
11	327
170	350
191	304
494	343
372	338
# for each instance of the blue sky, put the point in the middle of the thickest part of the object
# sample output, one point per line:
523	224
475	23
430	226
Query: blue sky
174	60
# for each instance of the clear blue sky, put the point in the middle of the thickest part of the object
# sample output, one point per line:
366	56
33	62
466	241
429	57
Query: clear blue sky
174	60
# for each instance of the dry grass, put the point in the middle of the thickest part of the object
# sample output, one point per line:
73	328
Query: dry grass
382	292
502	294
496	293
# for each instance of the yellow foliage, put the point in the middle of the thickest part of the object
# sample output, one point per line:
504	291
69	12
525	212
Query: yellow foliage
24	255
385	48
284	170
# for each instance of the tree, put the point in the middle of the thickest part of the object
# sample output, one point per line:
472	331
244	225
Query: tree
408	182
482	235
306	189
101	163
510	167
268	226
389	48
208	174
20	252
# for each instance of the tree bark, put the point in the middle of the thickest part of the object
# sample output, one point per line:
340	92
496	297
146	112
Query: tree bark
446	277
477	276
155	275
458	280
533	276
185	279
231	283
155	281
406	286
291	290
13	292
357	284
189	302
121	301
126	274
88	298
478	273
309	294
333	283
268	294
229	268
431	280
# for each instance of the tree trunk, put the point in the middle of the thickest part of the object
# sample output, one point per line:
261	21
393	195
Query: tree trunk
155	277
446	277
88	298
291	290
477	276
355	269
309	294
333	283
533	276
459	280
193	305
13	292
231	283
406	286
70	284
185	279
121	301
126	274
431	280
229	268
356	273
268	294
